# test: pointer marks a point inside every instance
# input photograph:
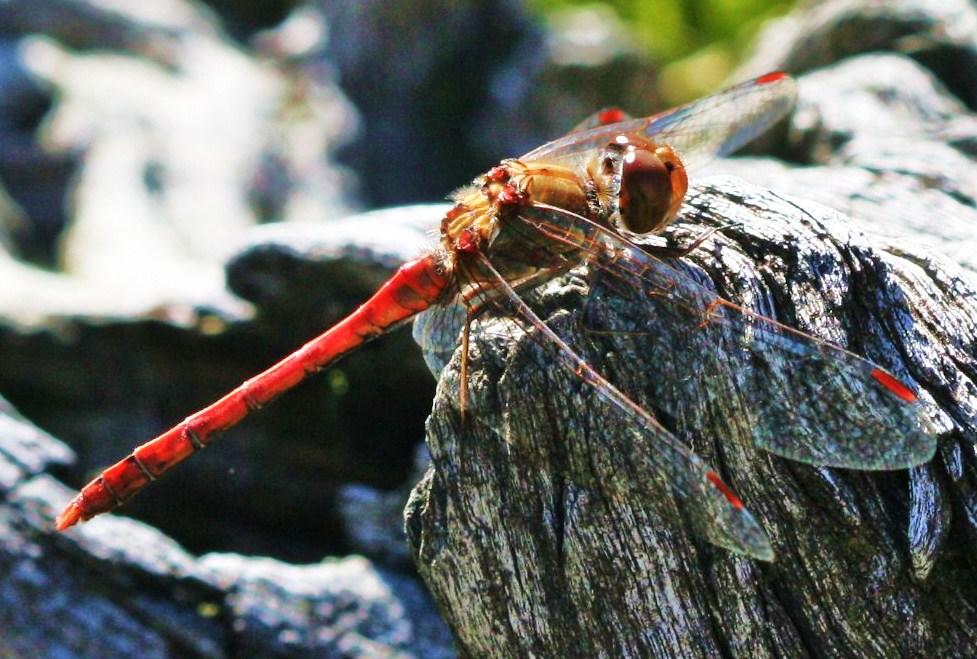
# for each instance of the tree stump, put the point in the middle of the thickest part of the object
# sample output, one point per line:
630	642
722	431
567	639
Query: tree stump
542	528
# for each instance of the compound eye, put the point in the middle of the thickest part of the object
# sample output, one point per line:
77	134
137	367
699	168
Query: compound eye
653	184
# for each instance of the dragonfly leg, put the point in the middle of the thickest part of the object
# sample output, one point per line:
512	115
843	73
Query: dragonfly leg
677	252
463	389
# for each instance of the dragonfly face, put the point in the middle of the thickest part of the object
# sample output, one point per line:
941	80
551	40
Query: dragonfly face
653	184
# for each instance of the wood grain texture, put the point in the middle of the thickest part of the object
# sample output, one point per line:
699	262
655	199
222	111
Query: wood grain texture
541	528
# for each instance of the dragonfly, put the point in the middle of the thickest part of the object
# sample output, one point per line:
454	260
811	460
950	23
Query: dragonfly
584	199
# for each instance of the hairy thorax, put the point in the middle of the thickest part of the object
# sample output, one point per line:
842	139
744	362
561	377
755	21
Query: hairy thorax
486	215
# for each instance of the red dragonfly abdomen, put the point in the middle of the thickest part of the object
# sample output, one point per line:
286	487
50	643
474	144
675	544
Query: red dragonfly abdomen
413	288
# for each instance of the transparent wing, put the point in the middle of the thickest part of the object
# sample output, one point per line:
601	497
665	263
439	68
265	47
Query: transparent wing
808	400
712	507
604	117
700	131
437	331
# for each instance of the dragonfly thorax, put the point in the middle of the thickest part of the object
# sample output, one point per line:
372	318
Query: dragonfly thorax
489	219
506	189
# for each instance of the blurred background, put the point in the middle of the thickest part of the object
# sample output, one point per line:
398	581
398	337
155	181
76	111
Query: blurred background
144	146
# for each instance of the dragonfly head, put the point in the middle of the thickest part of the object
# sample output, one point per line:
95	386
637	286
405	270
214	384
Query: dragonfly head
653	182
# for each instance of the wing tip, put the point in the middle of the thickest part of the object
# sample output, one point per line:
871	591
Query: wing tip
772	77
764	553
726	490
611	115
894	385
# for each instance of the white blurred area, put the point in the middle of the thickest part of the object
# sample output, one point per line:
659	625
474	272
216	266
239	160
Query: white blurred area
185	141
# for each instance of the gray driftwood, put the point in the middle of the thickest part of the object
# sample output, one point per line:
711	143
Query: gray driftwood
534	527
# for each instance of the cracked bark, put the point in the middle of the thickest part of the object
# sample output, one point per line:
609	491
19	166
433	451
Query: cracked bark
534	528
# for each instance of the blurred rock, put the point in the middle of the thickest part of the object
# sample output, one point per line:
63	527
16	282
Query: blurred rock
13	226
589	60
243	19
941	36
26	450
33	179
884	143
447	89
117	588
374	519
86	25
183	139
341	608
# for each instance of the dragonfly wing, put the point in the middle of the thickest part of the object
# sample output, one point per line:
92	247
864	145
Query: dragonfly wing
699	131
712	507
437	331
807	399
604	117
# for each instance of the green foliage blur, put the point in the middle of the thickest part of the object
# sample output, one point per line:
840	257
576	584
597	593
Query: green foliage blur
697	43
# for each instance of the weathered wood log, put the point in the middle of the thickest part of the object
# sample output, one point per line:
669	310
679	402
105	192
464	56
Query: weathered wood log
542	529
